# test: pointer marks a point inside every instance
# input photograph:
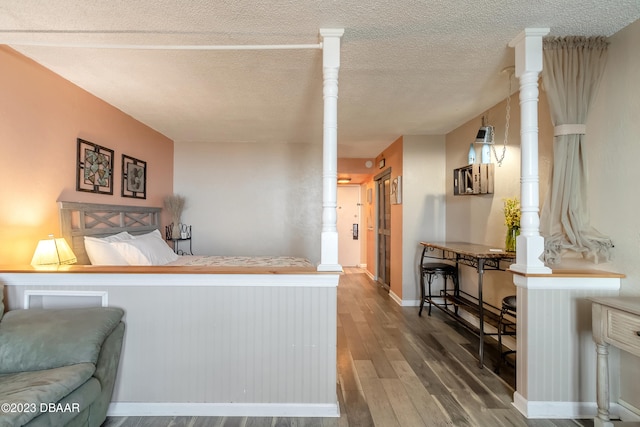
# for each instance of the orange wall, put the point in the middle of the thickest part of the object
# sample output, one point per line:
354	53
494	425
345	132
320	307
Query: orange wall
392	156
41	116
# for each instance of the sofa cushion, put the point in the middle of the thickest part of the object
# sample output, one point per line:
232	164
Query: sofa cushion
28	390
37	339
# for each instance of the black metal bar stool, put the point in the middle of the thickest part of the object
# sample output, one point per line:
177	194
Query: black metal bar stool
431	271
506	326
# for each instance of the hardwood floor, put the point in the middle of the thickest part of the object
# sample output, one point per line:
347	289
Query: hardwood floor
396	369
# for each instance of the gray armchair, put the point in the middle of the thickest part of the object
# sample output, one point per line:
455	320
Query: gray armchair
58	367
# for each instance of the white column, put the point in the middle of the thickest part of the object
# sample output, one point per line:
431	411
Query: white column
530	244
330	68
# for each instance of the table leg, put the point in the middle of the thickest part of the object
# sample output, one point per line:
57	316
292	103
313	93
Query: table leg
422	291
602	383
481	311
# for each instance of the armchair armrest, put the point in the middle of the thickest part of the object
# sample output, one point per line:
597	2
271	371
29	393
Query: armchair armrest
37	339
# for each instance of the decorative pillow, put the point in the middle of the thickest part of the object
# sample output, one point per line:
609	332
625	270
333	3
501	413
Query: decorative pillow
148	249
100	251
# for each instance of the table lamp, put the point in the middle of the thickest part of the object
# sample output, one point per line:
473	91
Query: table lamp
52	252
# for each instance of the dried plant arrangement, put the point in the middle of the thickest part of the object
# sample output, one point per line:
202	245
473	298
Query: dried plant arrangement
175	204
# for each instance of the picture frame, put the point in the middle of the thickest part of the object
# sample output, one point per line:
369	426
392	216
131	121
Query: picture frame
94	168
396	191
134	177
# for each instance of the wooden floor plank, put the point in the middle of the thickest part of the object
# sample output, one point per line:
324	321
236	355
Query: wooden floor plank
259	422
365	369
495	385
354	341
181	422
454	410
506	418
429	409
346	369
116	422
379	404
402	405
357	409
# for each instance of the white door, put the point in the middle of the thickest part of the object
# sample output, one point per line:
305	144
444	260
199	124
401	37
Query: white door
349	231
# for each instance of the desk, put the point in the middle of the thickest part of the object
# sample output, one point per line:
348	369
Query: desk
480	257
616	321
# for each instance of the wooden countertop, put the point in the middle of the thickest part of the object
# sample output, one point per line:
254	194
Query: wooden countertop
160	269
579	273
470	249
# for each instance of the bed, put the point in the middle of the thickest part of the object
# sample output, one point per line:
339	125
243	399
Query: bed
98	221
244	337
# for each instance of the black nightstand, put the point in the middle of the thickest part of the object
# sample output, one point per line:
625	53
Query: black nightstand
185	236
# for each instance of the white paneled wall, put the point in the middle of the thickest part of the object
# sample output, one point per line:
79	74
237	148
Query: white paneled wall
217	344
564	354
556	353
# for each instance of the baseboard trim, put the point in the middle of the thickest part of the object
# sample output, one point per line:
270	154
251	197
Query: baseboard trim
628	412
554	410
162	409
395	297
568	410
371	276
403	302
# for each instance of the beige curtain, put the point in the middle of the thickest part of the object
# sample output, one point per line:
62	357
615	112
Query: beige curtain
571	74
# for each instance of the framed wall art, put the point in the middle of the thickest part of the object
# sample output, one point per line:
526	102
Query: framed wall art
94	171
396	191
134	177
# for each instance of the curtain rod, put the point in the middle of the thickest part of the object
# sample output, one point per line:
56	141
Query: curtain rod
167	47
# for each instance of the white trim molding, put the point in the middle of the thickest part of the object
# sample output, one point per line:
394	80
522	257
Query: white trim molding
164	409
66	295
568	410
554	410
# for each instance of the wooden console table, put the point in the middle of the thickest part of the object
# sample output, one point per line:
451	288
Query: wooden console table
616	321
480	257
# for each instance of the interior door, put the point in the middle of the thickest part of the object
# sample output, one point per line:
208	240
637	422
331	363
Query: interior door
384	229
348	226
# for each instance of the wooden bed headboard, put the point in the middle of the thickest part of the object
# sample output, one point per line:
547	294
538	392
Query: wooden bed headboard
79	219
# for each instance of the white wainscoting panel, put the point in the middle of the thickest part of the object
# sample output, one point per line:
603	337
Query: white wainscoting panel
556	353
264	347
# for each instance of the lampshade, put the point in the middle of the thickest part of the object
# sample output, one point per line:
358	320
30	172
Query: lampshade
53	252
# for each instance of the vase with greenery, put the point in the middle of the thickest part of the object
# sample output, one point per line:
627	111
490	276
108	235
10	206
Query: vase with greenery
512	221
174	204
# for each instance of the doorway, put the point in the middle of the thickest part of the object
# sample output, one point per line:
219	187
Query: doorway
348	224
383	190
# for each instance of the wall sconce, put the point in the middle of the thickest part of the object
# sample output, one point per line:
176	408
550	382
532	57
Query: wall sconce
53	252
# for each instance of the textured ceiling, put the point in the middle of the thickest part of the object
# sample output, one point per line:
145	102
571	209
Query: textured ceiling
407	66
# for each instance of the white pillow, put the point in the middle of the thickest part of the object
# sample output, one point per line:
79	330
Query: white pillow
100	251
148	249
